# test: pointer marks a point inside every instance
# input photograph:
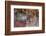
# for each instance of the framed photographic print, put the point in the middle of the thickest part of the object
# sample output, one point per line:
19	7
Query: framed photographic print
24	17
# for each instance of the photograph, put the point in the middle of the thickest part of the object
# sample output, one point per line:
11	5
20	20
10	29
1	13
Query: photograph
26	17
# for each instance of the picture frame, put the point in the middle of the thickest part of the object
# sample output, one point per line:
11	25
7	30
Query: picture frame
10	8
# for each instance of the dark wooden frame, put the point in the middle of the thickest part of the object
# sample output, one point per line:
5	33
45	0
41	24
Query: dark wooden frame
7	17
